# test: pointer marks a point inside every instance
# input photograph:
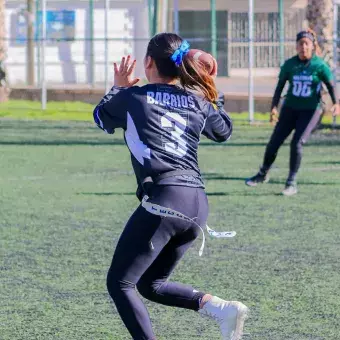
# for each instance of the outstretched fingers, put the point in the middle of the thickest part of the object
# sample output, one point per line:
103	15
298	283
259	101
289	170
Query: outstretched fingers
115	67
131	68
122	66
126	65
124	71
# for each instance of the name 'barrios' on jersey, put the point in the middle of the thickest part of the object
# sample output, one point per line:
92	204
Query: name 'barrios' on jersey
162	125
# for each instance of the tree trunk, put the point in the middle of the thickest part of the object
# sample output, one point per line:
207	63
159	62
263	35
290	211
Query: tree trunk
4	91
320	18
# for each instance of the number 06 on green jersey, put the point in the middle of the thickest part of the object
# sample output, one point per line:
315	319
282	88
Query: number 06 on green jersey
304	81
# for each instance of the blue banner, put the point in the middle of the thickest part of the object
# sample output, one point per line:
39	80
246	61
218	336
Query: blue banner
60	25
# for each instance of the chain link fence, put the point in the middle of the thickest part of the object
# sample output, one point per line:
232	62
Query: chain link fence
82	39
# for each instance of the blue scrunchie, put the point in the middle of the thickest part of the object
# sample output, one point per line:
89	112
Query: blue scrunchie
178	55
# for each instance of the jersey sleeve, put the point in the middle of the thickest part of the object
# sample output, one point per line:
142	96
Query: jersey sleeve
218	126
283	77
284	72
111	112
326	74
326	77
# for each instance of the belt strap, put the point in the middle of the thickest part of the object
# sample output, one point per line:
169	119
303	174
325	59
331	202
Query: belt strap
159	210
175	173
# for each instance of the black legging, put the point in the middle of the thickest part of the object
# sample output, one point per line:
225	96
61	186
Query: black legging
303	122
148	251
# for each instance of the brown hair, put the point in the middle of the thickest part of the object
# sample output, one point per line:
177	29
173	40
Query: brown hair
317	47
191	73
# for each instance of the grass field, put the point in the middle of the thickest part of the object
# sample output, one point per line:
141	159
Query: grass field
78	111
66	190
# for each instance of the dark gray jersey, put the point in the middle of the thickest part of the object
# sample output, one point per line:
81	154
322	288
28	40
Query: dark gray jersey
162	127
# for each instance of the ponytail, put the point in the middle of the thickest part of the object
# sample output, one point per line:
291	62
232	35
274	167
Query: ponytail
193	75
169	51
317	47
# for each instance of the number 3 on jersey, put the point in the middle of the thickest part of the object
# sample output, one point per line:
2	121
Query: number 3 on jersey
176	124
302	88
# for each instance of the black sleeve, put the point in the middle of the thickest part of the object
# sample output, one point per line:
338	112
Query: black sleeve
218	126
110	113
331	91
277	94
283	77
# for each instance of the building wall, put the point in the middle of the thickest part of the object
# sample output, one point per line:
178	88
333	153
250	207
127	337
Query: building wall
261	6
68	61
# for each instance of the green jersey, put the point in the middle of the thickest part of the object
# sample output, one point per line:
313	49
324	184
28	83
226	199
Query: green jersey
305	78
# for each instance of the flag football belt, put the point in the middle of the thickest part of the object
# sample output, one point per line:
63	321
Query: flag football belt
159	210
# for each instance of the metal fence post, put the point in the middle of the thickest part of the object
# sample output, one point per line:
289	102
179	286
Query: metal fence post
213	28
282	32
251	60
163	8
335	49
91	57
30	72
43	55
176	17
155	17
150	12
37	28
106	31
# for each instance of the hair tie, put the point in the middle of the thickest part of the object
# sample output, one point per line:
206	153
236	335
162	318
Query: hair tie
178	55
305	34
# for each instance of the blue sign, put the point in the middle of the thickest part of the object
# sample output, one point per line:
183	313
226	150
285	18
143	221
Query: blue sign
21	29
60	25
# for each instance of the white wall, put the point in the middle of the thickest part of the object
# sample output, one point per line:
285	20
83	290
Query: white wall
261	6
68	62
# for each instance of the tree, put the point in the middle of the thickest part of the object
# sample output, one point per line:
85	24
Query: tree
4	92
320	18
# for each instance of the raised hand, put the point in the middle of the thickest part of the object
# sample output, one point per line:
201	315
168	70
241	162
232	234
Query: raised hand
123	74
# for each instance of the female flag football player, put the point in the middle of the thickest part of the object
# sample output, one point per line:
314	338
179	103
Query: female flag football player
301	111
163	123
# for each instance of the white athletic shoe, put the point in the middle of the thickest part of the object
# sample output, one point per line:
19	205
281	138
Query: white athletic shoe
230	315
290	190
257	179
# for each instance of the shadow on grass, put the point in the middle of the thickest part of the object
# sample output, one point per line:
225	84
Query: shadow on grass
253	193
216	177
239	144
107	193
302	182
62	142
325	142
44	127
241	193
328	162
328	126
121	142
104	142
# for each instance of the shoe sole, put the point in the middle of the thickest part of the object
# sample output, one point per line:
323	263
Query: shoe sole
289	194
242	315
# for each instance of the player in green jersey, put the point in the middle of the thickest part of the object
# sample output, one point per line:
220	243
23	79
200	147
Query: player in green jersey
300	111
